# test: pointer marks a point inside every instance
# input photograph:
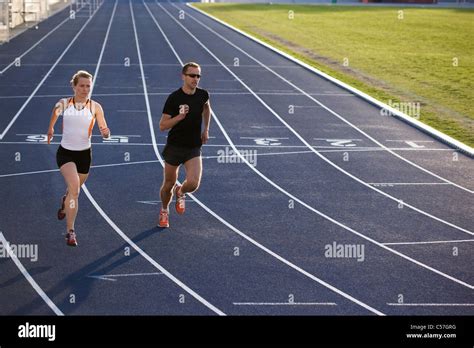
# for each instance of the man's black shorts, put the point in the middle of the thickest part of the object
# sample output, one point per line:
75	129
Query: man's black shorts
176	155
82	159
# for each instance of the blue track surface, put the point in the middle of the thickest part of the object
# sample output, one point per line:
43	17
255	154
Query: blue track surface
253	240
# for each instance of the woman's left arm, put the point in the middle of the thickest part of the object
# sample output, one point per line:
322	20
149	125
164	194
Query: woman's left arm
99	115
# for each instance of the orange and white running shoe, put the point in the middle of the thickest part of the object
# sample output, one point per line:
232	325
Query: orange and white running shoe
180	203
163	220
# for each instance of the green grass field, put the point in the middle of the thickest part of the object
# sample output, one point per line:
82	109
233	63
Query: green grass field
427	56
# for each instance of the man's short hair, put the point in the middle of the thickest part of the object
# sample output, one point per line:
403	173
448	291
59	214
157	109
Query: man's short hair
189	65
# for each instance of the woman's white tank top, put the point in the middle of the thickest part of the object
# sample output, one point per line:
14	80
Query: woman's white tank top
77	126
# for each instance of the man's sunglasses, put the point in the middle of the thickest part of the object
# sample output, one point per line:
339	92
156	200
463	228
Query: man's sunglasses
193	75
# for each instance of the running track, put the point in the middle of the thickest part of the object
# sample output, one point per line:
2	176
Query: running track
253	239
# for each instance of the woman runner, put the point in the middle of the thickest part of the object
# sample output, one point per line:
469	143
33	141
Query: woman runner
74	154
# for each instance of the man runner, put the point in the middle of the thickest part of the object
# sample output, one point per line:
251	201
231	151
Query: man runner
183	114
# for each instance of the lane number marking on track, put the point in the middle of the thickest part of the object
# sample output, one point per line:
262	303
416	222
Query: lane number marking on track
340	142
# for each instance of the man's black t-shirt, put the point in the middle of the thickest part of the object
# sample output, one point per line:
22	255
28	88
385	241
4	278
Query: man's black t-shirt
186	133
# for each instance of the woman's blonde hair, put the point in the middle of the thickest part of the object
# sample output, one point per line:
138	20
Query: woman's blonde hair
78	75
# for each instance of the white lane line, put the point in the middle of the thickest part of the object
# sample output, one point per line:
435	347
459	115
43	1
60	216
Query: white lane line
333	149
102	50
261	138
46	76
146	256
413	141
29	173
237	231
131	111
36	44
284	303
142	73
406	183
258	154
28	277
338	139
158	202
431	242
60	135
305	204
431	304
334	165
125	164
333	220
92	87
111	277
263	127
135	94
155	161
120	232
22	269
317	101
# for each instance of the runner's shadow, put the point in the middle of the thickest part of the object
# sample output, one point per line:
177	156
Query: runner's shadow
80	283
20	277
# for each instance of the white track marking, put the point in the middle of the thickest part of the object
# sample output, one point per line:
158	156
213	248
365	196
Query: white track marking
300	201
29	173
431	242
406	183
335	221
329	148
22	269
45	77
158	202
334	165
36	44
123	235
206	208
148	257
119	231
431	304
154	93
155	161
111	277
29	278
321	104
97	68
94	135
284	304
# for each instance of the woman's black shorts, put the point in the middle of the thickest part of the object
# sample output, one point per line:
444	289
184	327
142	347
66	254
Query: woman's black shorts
82	159
176	155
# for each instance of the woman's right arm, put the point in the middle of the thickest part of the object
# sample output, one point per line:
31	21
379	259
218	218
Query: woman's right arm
58	109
